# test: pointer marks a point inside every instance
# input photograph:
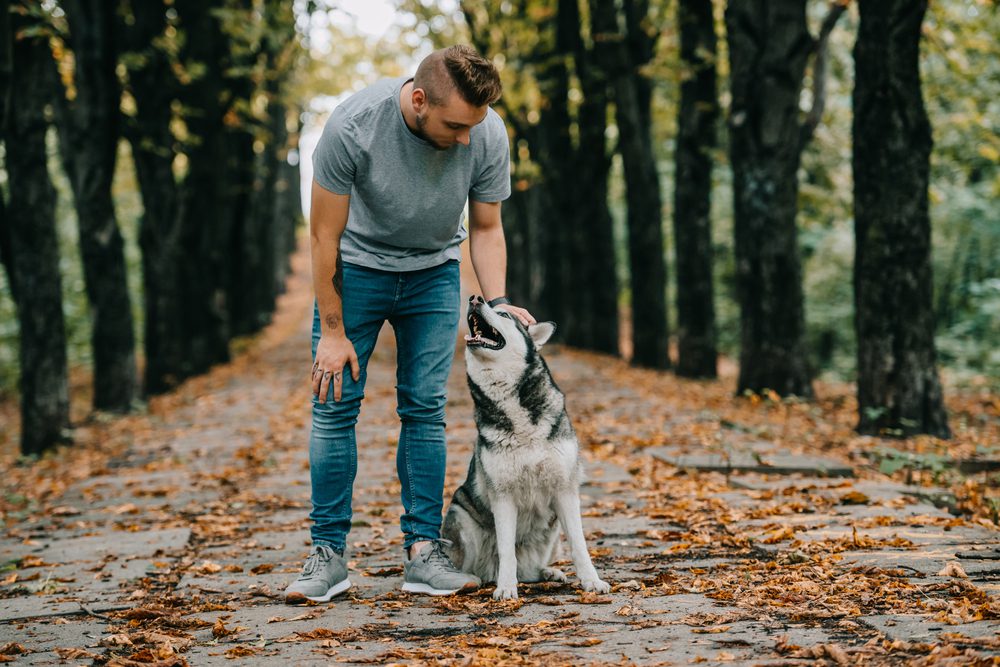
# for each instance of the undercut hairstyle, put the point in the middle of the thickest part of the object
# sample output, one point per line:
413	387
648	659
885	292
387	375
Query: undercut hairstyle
461	69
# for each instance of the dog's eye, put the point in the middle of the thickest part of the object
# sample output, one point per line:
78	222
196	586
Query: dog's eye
503	313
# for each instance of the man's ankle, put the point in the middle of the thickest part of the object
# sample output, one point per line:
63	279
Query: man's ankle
416	548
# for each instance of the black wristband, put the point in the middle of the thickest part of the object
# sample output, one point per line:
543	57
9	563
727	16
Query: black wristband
499	301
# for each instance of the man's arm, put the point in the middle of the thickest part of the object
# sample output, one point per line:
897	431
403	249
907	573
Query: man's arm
489	254
327	220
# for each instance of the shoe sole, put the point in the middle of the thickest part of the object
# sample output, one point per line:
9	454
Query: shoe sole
427	589
337	589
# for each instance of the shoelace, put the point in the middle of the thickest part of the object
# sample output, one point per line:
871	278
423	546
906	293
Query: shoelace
437	555
316	559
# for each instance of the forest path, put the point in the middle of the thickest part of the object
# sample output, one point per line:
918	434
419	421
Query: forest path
173	539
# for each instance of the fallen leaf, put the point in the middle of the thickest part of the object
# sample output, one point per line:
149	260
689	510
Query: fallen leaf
64	510
784	533
953	569
854	498
263	568
629	610
208	567
592	641
220	630
241	652
116	640
549	600
76	654
710	631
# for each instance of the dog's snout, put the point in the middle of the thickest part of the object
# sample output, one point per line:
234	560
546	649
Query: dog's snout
475	300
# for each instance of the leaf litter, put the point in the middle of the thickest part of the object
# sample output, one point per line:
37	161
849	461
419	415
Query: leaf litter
753	556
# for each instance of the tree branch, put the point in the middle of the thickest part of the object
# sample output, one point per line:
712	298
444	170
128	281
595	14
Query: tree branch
837	8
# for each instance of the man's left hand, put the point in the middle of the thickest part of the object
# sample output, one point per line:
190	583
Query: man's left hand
519	313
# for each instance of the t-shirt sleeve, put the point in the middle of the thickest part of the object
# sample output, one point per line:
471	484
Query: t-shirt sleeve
493	181
335	157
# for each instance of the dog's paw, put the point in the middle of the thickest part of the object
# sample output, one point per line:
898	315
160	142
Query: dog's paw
595	586
505	591
553	574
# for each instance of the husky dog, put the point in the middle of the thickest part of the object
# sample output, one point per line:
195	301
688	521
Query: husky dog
524	477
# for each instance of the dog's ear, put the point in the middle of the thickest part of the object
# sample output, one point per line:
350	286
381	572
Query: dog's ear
541	332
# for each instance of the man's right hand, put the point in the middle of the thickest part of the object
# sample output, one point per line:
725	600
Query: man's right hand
333	353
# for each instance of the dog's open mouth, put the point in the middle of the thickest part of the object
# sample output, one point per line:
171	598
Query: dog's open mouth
483	335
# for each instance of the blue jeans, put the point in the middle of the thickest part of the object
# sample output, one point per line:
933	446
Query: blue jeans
424	310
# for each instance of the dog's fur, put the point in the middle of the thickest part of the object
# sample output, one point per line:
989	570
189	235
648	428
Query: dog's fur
524	477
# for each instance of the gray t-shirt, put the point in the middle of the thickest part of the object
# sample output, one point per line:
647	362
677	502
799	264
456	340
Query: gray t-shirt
407	197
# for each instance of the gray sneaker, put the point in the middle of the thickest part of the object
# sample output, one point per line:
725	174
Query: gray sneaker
433	573
324	575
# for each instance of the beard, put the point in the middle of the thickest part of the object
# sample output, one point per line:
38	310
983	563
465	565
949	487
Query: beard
421	124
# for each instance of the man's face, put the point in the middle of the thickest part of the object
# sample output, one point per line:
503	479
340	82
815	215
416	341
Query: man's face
449	124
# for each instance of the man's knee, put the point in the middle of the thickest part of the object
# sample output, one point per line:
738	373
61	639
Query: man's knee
335	415
425	409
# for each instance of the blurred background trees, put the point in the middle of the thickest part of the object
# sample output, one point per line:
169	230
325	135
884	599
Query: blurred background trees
800	162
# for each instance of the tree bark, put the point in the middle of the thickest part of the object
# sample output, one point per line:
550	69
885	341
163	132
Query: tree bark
248	286
899	392
6	66
696	138
288	203
647	265
153	86
205	202
557	222
554	151
89	132
35	257
769	46
596	300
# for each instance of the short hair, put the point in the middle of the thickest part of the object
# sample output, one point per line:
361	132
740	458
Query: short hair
458	68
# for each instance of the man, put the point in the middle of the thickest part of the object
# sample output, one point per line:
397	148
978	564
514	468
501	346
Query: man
393	170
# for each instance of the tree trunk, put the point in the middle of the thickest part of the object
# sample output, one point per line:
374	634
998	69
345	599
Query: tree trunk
206	194
35	256
152	85
769	46
597	298
6	65
555	152
647	266
899	391
288	203
557	222
696	118
251	183
250	215
89	131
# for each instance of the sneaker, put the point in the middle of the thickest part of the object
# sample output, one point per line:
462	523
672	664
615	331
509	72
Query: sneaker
432	572
324	575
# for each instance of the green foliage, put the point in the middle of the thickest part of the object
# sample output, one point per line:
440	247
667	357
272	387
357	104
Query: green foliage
960	65
76	310
893	460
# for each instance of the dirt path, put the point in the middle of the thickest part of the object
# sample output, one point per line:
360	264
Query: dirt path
173	539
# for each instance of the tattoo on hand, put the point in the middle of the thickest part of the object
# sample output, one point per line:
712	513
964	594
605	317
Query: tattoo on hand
332	321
